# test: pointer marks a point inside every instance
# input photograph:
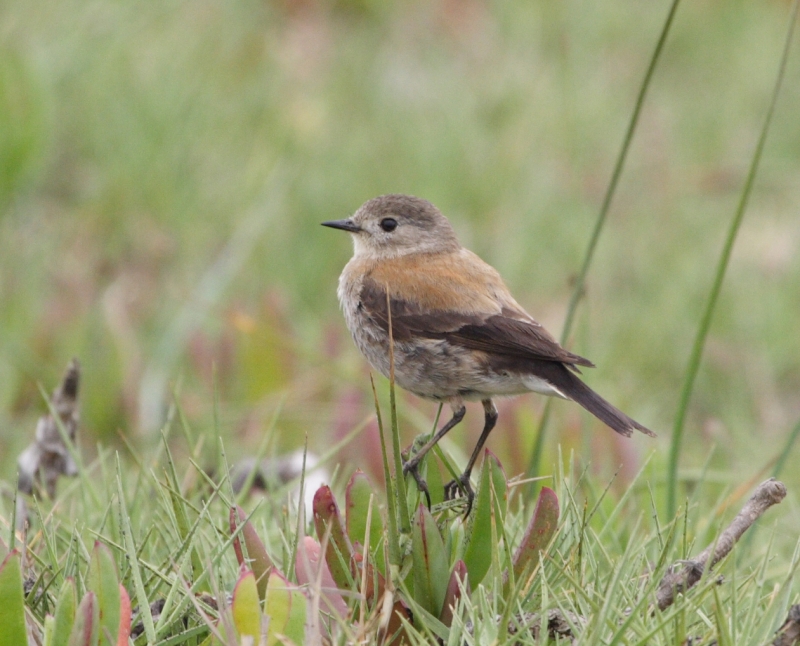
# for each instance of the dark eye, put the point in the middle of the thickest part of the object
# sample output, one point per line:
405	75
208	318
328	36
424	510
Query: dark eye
388	224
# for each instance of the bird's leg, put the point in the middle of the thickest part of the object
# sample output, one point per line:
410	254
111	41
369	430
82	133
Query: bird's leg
412	466
422	486
463	481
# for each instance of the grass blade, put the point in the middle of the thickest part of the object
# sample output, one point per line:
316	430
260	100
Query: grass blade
400	481
722	265
391	485
133	561
580	281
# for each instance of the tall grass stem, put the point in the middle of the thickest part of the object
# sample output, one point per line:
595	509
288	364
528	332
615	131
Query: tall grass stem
580	281
722	265
787	449
402	499
391	486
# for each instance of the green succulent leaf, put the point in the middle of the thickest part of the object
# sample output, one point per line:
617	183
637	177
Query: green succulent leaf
430	562
245	608
12	602
103	580
65	614
433	476
49	622
489	508
499	488
357	496
286	608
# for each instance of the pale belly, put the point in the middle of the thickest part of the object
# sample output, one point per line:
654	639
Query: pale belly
435	369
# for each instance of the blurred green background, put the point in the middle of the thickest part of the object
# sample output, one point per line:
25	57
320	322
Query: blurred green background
164	167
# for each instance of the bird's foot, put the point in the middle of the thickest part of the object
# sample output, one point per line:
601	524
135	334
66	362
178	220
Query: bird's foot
412	467
460	485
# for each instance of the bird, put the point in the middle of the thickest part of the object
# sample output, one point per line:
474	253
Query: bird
457	333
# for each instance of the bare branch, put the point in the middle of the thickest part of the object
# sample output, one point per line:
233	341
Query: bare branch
789	632
679	579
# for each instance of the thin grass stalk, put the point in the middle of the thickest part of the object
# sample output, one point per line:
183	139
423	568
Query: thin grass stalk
301	514
580	281
181	518
391	496
787	449
12	538
47	536
577	292
711	302
777	469
133	558
226	475
400	480
362	615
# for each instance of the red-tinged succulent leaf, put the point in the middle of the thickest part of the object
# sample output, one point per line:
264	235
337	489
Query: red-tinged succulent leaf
103	580
258	559
374	583
479	548
233	518
430	562
540	531
357	496
307	570
65	613
458	582
339	551
286	608
394	628
87	622
245	608
12	601
124	617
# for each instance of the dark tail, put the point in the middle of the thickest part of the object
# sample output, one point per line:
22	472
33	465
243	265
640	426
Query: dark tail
580	393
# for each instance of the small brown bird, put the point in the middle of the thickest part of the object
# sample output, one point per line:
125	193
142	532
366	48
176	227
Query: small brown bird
457	332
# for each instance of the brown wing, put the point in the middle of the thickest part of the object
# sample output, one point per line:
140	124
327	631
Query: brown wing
491	333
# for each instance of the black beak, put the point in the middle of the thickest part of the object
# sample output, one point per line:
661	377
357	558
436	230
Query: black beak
344	225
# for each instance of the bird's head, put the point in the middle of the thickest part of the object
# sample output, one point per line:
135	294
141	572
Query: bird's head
396	225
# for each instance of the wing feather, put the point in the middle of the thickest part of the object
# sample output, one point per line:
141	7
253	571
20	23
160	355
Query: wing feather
494	334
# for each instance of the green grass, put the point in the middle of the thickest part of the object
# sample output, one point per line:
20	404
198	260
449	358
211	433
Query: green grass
601	570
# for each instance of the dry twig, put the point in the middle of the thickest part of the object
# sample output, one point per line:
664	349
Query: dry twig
47	457
679	579
789	632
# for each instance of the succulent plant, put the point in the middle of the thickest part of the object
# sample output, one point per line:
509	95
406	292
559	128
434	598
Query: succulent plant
442	559
103	615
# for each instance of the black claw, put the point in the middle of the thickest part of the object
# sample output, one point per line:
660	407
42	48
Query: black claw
461	485
424	489
413	468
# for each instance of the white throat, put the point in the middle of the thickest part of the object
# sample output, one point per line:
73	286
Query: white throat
384	252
